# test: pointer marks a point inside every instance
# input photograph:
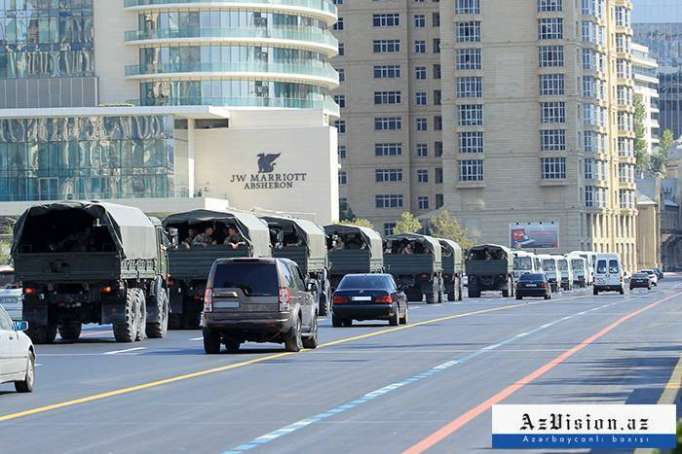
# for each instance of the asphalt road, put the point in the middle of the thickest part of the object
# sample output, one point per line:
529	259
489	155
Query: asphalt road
368	389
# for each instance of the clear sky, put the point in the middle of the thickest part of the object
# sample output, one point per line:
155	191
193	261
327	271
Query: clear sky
657	11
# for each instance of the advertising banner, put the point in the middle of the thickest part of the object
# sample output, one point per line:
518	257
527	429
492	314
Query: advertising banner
534	235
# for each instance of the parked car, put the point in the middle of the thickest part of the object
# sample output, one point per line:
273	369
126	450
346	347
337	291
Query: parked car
368	297
640	280
17	355
652	276
258	300
533	284
659	273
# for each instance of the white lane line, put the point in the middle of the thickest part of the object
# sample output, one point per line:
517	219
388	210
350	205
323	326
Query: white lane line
197	338
127	350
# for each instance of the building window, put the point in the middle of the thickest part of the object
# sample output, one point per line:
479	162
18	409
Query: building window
551	56
439	201
420	47
422	150
589	169
468	7
343	177
419	21
552	85
343	204
389	227
389	201
382	46
422	176
422	124
553	140
420	98
387	71
470	142
471	170
551	28
342	74
388	123
438	149
589	196
469	87
420	72
470	115
436	45
342	51
439	175
388	149
437	123
436	71
386	20
423	203
553	112
549	5
468	59
338	26
340	100
468	31
388	175
340	126
435	19
342	151
387	97
553	168
437	97
338	2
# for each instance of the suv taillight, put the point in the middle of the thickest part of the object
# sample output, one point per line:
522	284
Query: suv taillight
208	300
284	299
383	299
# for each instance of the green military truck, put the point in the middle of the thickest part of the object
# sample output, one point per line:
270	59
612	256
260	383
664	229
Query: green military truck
189	261
490	267
352	249
453	268
305	243
416	263
91	262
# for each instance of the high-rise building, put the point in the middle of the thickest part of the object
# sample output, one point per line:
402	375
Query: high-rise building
645	70
169	101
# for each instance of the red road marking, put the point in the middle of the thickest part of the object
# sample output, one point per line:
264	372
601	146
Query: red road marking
457	423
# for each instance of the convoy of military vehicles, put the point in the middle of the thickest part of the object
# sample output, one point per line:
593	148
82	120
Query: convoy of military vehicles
93	262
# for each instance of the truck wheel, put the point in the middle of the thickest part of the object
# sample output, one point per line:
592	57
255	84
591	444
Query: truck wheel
294	342
70	331
174	321
42	334
460	291
211	341
430	298
473	292
158	329
325	308
126	330
312	341
505	293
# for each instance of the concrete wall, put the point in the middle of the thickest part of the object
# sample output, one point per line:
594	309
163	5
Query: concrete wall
648	236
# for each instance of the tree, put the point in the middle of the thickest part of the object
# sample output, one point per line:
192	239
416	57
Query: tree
444	225
641	145
359	222
407	223
660	156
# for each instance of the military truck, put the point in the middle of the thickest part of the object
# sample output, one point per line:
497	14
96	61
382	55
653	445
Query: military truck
352	249
304	242
416	263
91	262
490	267
199	237
453	269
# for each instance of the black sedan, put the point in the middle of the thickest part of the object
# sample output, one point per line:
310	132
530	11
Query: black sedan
533	284
368	297
640	280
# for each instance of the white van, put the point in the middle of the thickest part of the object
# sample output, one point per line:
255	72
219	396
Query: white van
608	274
590	258
565	273
551	269
524	262
580	270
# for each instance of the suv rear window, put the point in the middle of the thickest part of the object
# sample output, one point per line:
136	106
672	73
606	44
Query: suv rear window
254	279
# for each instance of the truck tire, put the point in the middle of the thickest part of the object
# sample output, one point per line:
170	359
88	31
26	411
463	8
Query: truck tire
158	329
232	345
42	334
431	298
126	330
211	341
294	342
70	331
473	292
174	321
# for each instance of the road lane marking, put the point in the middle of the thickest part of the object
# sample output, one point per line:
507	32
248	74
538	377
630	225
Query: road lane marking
127	350
373	395
457	423
220	369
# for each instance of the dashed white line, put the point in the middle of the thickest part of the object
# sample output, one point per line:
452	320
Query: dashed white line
127	350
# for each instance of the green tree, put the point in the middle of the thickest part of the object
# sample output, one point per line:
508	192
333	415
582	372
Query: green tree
660	156
444	225
359	222
641	152
408	223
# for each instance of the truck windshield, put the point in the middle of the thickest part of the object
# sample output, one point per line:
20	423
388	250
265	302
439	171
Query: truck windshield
563	265
254	279
523	263
549	265
577	265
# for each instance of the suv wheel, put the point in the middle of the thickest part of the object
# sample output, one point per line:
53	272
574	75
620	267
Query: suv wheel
312	341
211	341
294	342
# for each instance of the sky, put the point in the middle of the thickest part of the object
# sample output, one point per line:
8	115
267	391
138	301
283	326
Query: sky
657	11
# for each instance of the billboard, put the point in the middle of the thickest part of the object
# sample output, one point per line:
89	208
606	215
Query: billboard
534	235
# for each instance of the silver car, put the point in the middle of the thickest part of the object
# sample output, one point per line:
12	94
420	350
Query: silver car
17	355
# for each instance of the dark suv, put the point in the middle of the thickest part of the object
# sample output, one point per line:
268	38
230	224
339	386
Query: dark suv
258	300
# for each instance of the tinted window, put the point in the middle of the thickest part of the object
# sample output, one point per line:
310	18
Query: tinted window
532	277
366	282
296	278
601	266
613	266
254	279
640	276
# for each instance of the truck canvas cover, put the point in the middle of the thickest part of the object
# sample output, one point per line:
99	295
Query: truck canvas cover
313	235
431	244
131	230
254	231
371	237
451	264
489	258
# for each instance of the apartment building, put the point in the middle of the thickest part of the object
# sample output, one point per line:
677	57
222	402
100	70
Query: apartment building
391	126
645	70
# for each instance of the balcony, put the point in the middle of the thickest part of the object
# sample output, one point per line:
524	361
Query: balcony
324	6
325	103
